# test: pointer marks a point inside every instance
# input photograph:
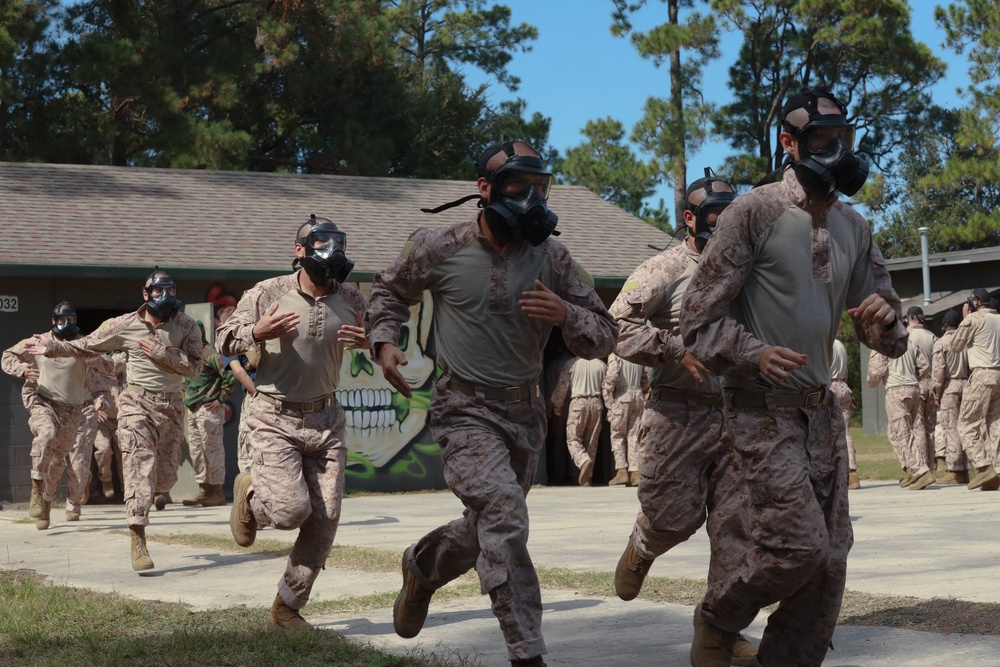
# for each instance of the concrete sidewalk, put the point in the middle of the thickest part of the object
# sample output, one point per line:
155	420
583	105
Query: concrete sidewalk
939	542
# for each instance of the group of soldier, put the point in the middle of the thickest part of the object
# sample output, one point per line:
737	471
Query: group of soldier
740	429
942	397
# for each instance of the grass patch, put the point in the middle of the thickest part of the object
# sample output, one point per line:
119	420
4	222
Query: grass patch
55	626
876	461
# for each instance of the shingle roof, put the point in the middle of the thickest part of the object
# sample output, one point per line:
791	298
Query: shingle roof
125	218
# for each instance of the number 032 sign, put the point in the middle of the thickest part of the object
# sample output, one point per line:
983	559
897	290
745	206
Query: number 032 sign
8	304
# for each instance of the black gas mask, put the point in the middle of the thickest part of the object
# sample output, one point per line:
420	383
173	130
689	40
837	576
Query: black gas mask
715	201
64	322
827	160
325	259
161	297
519	191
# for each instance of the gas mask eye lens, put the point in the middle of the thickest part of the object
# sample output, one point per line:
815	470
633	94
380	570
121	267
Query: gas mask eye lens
516	183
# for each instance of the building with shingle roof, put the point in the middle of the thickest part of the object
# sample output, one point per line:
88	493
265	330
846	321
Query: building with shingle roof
91	234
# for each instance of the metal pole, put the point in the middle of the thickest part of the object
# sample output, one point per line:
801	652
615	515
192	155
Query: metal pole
925	256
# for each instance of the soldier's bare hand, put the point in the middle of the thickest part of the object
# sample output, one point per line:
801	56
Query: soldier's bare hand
274	324
695	367
31	374
874	310
102	417
390	358
36	346
777	363
146	345
353	337
544	305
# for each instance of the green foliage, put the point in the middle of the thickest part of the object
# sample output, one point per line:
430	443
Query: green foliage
607	166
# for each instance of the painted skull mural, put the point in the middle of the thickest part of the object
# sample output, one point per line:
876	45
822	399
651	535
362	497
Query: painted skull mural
381	422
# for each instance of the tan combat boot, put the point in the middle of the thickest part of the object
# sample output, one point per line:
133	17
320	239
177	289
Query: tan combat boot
285	619
199	498
160	501
633	478
242	522
72	516
985	474
712	647
35	502
215	497
853	481
631	572
410	609
907	478
42	521
992	485
586	472
922	482
109	489
744	652
141	559
620	478
952	478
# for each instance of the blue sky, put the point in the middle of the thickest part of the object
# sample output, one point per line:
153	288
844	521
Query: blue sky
577	71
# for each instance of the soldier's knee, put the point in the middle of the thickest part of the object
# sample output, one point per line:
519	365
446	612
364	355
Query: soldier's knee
291	514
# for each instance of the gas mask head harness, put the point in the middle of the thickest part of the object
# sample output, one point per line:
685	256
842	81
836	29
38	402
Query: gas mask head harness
827	160
161	296
325	248
718	195
64	321
517	209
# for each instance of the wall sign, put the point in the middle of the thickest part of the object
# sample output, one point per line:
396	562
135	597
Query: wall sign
8	304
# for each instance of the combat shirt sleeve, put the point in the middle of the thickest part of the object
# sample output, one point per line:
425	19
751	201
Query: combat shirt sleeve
890	341
15	361
939	367
184	361
396	288
922	362
878	368
563	372
97	370
643	294
610	385
107	337
589	330
963	335
709	333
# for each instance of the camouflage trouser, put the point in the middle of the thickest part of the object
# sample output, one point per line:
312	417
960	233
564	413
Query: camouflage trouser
54	427
244	452
842	391
929	410
947	416
150	432
624	416
979	417
583	428
297	478
106	448
490	451
77	462
906	428
685	445
204	434
795	466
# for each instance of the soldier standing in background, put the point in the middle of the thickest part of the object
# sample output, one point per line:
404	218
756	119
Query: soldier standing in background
585	416
205	397
950	373
106	449
624	389
840	389
979	416
925	340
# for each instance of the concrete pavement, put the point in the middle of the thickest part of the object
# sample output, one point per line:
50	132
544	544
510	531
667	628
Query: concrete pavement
939	542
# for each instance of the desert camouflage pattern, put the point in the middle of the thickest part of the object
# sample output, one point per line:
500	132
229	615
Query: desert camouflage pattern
204	436
780	256
490	451
298	483
624	396
150	433
950	374
77	462
979	416
904	406
54	427
106	450
979	334
583	428
794	463
489	448
925	340
685	445
244	452
845	399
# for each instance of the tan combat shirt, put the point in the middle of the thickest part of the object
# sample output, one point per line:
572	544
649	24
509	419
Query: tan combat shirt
980	333
948	365
67	381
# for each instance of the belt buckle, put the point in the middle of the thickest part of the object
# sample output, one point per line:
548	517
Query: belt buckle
308	406
813	398
511	395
